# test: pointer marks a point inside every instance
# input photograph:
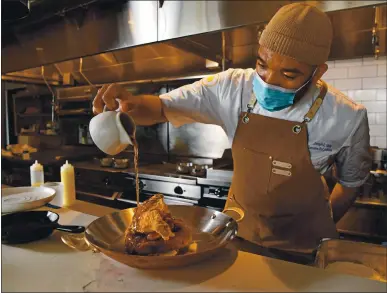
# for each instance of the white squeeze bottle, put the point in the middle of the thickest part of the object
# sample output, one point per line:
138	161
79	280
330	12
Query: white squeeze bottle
68	181
37	174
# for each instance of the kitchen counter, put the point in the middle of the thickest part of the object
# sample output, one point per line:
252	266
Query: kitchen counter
49	265
57	156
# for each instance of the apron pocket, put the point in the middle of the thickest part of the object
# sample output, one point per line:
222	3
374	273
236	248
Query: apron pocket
253	171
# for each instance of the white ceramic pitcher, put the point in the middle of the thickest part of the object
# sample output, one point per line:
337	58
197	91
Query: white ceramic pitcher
112	132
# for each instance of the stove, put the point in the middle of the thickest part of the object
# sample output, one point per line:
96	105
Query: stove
116	188
215	187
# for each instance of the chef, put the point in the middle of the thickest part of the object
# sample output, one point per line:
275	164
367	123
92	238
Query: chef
287	128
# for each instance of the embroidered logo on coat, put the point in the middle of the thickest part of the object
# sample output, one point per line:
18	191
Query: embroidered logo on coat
321	146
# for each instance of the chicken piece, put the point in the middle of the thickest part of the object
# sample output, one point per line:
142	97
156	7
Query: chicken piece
150	216
152	221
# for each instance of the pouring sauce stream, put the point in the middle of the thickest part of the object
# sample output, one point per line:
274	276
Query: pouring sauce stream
135	160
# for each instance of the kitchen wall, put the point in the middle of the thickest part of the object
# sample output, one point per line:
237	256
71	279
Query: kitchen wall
364	80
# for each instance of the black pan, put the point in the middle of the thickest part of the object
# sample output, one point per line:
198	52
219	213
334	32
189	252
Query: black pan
30	226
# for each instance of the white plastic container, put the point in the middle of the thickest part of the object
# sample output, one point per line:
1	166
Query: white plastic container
37	174
68	180
58	187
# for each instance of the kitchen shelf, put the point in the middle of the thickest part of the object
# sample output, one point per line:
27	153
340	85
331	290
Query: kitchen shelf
75	99
370	202
36	134
363	235
78	112
35	115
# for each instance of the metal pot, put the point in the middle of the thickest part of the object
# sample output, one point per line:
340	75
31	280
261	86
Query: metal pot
183	168
199	170
106	162
212	231
121	163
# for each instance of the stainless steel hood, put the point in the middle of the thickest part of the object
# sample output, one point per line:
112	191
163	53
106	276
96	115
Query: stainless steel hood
145	41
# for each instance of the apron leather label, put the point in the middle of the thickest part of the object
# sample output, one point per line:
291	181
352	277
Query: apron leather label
281	172
282	164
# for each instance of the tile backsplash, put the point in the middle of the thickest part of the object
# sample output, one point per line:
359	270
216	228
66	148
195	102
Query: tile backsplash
364	80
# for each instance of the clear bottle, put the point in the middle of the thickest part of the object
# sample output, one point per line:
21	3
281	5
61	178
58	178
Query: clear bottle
37	174
68	181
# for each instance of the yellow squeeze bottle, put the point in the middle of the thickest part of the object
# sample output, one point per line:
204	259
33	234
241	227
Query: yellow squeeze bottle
68	181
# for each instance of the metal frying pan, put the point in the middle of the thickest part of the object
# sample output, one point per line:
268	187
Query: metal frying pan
30	226
212	230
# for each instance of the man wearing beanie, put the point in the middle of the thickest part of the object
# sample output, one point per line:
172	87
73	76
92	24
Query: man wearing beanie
287	128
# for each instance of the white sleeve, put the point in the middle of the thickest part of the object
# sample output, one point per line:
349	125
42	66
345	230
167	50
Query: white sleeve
198	102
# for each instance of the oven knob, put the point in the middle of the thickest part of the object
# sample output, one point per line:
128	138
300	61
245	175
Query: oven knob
217	192
141	184
178	190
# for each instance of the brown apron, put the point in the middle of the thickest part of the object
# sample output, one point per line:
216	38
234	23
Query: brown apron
275	187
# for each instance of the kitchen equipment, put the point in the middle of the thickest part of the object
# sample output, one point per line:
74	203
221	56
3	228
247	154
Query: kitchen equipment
75	102
58	187
183	167
356	258
15	199
211	231
375	188
199	170
115	188
215	188
31	226
106	162
112	131
51	128
379	158
120	163
84	137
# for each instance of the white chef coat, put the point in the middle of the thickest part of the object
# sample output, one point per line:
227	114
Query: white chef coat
339	133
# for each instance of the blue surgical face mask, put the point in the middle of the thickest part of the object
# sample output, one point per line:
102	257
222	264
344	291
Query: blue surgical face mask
274	98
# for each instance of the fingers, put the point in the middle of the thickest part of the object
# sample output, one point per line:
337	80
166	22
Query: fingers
113	93
98	102
113	96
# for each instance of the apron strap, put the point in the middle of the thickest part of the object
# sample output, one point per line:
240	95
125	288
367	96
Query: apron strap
250	107
307	118
317	103
252	103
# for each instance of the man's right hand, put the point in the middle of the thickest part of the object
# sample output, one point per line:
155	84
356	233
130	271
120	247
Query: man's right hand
144	109
114	97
